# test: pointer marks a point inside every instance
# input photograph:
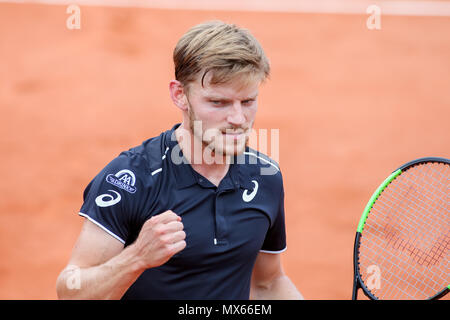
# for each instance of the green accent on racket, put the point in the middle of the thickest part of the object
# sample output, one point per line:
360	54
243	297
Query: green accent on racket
374	198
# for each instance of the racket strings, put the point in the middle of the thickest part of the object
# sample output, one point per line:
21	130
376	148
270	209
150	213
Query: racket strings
436	228
406	246
397	239
410	241
406	235
396	271
420	256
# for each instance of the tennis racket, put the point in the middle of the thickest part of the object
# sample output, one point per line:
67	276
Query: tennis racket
402	242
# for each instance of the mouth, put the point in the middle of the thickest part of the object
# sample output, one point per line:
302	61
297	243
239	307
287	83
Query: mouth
234	135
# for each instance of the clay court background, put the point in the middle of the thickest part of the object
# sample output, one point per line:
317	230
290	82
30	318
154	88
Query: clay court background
352	104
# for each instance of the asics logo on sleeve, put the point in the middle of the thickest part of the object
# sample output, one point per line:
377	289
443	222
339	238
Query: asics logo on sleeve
249	197
107	200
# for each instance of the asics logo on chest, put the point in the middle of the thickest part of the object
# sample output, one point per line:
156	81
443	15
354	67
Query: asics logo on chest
247	197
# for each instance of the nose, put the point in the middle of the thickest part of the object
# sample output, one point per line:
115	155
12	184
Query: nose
236	116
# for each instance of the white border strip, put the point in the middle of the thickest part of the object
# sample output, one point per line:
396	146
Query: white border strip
274	252
262	159
402	8
102	227
156	171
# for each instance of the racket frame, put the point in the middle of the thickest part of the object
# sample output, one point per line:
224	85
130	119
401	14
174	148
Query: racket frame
357	280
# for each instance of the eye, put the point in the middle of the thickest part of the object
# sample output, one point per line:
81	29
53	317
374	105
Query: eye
218	103
248	102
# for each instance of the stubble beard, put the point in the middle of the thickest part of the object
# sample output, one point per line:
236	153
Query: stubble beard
213	140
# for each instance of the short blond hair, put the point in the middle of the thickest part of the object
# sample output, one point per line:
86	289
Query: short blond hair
227	51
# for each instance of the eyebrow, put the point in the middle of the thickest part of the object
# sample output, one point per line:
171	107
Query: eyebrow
251	97
218	98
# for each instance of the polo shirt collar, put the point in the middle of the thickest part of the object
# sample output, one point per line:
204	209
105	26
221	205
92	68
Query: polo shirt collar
183	172
186	176
244	178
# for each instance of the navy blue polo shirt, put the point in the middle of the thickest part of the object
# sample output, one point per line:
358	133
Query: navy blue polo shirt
226	226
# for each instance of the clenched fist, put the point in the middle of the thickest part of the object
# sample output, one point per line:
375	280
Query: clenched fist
160	238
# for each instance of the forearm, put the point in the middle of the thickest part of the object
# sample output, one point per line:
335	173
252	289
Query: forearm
280	288
109	280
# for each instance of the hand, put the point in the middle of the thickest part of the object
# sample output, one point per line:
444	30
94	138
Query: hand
160	238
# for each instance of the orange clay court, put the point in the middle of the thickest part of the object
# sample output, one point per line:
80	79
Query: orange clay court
351	104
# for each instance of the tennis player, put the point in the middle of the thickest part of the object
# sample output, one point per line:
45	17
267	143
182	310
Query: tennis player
193	213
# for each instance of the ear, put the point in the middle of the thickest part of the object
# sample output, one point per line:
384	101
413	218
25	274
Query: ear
178	94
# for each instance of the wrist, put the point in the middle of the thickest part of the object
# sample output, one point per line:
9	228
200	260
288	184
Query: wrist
132	260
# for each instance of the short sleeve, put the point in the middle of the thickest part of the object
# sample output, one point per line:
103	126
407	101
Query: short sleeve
113	198
275	241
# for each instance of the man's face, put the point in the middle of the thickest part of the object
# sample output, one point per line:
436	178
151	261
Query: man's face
222	116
